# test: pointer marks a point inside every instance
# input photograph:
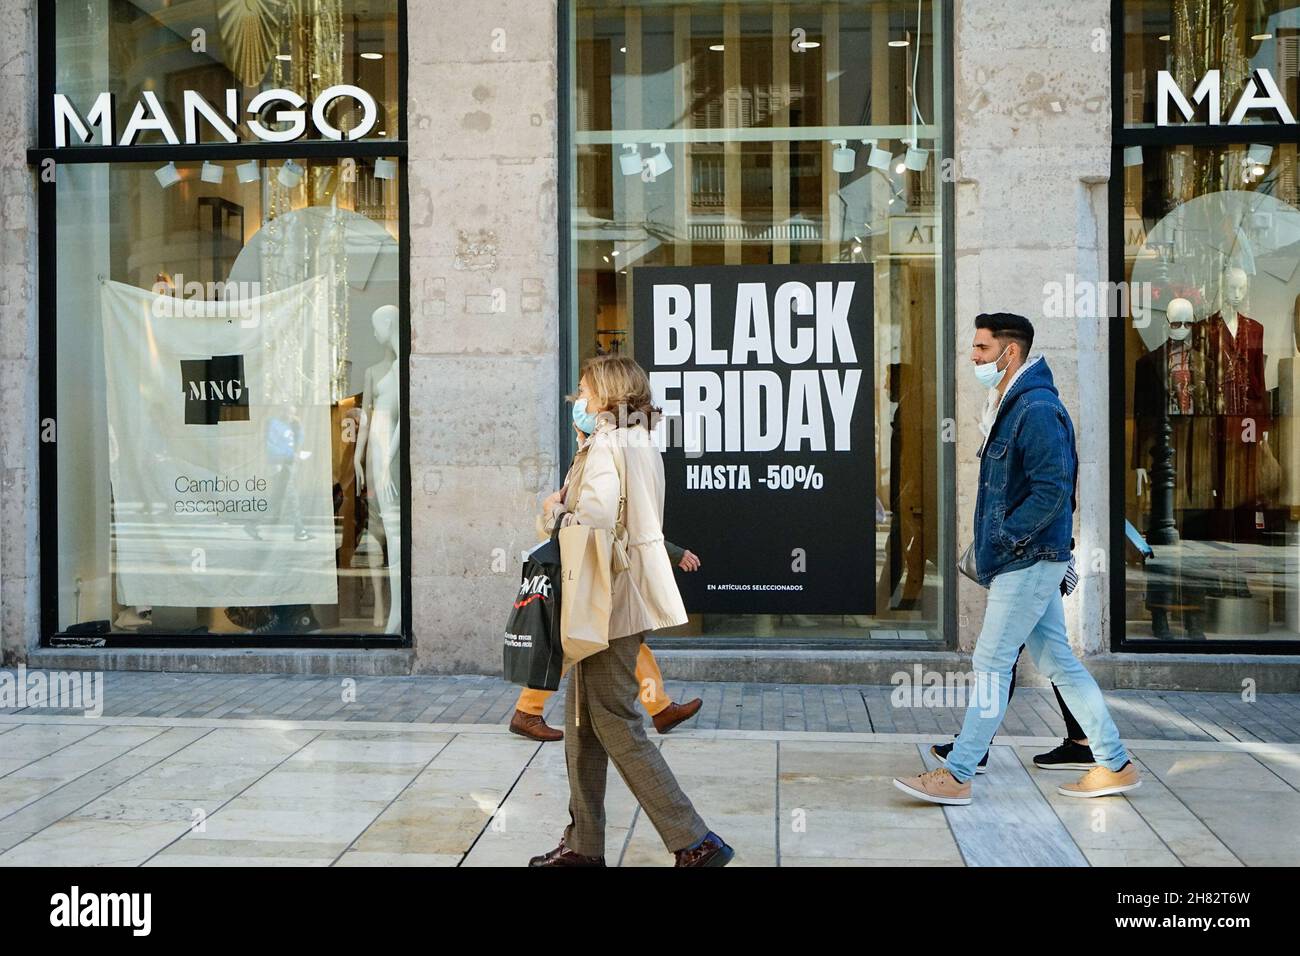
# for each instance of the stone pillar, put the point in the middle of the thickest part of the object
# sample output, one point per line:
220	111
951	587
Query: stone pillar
484	314
1032	147
19	523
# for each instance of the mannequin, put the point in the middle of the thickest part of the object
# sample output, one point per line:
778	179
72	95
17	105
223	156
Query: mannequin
377	462
1171	381
1246	471
1173	375
1288	424
1235	350
1287	429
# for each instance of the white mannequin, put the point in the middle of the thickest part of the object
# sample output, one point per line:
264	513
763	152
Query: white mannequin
376	456
1235	285
1178	327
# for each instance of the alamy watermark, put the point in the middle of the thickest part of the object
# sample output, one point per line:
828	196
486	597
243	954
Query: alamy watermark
57	690
957	689
1077	298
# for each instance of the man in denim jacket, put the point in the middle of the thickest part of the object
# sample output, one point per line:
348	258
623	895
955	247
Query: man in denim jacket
1024	516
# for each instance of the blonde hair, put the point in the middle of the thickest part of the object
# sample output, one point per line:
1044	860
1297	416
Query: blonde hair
622	387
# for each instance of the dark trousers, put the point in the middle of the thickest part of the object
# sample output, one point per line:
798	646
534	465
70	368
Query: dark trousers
602	724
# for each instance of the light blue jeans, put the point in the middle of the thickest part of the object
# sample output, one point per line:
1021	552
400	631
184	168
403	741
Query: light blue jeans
1024	607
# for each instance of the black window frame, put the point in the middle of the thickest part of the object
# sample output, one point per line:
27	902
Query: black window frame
1122	137
47	312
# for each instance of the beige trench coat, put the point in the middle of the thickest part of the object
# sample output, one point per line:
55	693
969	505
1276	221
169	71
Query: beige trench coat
645	595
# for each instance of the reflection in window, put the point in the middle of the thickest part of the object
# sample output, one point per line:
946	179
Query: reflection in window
1211	377
727	134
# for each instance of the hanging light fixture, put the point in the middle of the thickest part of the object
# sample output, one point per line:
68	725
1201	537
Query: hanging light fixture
290	174
630	161
168	175
878	158
843	158
212	173
248	172
659	163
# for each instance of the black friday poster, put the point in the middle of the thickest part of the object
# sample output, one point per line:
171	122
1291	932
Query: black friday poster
764	374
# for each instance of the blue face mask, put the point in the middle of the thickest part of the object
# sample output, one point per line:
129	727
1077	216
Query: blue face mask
584	419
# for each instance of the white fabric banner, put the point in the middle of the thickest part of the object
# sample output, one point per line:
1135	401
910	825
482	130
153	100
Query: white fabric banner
219	448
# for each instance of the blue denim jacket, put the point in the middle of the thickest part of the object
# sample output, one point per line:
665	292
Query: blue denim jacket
1024	512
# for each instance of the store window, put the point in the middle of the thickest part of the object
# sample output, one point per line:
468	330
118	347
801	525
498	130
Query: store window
1210	361
736	136
223	307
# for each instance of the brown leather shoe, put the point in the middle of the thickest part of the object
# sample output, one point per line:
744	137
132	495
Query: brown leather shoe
563	856
712	851
534	727
674	714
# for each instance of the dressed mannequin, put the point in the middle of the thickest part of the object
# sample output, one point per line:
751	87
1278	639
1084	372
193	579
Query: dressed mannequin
1235	348
1287	428
1170	384
378	466
1246	470
1173	376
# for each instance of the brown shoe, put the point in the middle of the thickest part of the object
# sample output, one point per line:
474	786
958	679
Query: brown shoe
563	856
936	786
534	727
711	851
674	714
1100	782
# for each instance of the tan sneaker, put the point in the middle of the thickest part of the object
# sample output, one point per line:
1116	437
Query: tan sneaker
936	786
1100	782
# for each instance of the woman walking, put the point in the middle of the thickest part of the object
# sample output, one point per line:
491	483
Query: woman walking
601	719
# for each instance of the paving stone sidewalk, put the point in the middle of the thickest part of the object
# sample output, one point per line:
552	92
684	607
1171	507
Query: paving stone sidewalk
1147	715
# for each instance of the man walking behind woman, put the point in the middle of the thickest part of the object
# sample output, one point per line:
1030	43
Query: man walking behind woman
1024	517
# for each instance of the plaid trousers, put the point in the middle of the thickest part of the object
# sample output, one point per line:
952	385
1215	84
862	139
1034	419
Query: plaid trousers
602	723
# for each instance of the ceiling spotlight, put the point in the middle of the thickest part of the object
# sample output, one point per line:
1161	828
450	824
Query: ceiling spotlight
916	158
372	56
1262	36
212	173
1132	155
622	49
659	163
290	174
630	162
283	57
809	44
606	258
385	168
613	252
843	158
900	166
899	43
1259	154
878	158
248	172
1163	38
168	175
717	47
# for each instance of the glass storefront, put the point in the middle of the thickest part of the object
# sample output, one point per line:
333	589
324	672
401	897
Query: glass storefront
228	328
756	133
1211	343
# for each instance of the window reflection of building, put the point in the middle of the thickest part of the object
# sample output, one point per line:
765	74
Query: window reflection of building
1209	450
746	106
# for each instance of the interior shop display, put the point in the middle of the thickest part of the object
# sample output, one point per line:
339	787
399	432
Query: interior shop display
218	416
359	260
377	464
1205	401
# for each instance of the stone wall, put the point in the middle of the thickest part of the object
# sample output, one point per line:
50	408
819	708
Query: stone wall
1032	150
484	308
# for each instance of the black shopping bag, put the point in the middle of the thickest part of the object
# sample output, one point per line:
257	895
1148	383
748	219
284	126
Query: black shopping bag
534	654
